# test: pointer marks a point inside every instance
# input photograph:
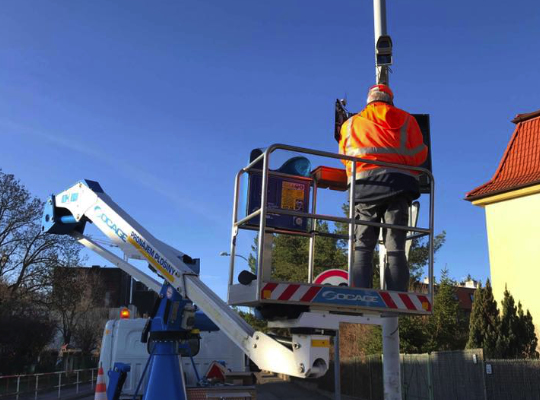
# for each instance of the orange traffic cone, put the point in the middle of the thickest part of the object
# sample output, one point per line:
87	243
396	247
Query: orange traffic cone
101	388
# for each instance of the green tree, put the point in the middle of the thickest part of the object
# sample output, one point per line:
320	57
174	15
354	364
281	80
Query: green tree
419	255
484	321
413	334
88	332
526	332
255	322
508	340
27	255
290	255
25	329
446	329
516	338
447	326
76	294
27	259
371	342
506	334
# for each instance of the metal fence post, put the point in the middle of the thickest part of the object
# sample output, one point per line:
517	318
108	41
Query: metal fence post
18	386
483	366
77	390
402	382
37	387
337	369
370	379
429	378
59	384
92	380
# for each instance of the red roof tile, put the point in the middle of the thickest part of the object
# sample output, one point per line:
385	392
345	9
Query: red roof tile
520	164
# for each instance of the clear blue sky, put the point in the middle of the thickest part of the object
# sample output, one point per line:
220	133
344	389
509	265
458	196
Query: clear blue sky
161	102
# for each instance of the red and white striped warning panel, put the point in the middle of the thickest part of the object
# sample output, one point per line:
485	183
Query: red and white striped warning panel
334	277
345	296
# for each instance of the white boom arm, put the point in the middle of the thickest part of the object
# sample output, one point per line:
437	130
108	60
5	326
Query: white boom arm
67	213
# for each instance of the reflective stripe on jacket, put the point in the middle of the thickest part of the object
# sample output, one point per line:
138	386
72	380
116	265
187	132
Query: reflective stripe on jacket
382	132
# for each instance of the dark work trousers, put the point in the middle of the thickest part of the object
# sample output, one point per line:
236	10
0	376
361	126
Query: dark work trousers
395	211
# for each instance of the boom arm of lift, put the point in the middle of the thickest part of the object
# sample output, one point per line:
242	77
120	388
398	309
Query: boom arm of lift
69	211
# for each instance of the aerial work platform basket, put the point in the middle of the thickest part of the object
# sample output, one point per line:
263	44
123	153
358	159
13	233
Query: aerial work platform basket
289	299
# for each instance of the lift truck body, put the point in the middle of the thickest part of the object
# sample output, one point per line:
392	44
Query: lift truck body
174	321
315	311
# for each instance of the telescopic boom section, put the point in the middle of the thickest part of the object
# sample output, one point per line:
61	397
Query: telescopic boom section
69	211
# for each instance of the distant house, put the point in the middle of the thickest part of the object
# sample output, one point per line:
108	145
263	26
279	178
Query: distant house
117	288
464	293
116	291
511	200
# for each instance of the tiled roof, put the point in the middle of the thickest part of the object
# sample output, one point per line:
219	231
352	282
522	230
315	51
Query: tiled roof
520	164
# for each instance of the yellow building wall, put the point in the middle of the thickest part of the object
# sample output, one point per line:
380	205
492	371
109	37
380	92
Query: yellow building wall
513	227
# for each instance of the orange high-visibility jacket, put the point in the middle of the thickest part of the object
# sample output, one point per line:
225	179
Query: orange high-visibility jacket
382	132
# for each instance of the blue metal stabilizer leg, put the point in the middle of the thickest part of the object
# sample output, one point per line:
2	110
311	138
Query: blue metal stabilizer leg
166	380
117	378
171	324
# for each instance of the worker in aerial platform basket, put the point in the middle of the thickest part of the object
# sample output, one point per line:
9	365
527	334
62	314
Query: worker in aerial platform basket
382	132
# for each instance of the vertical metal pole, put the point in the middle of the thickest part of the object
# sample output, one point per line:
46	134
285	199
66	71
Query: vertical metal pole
402	372
130	282
390	345
59	384
311	262
483	366
352	224
131	290
391	367
337	369
234	232
430	379
379	18
92	379
262	221
18	386
431	238
77	390
37	387
370	383
382	260
266	263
